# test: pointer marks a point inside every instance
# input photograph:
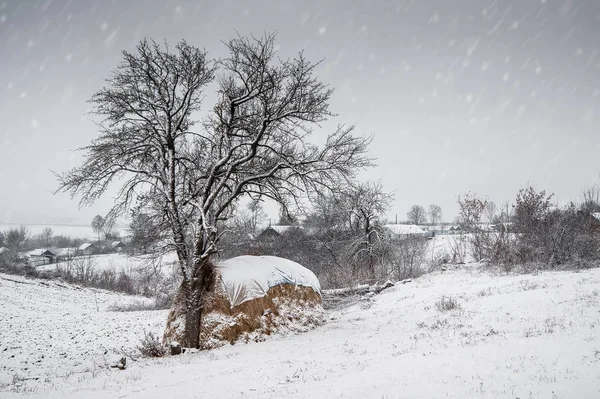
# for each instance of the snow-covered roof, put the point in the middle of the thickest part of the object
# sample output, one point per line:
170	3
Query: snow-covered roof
116	243
248	277
40	252
3	249
400	229
84	246
596	215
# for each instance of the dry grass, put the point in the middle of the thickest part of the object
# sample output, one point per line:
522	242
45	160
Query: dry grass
261	316
447	303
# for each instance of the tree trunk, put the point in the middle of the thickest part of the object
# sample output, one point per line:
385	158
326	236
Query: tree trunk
201	281
193	314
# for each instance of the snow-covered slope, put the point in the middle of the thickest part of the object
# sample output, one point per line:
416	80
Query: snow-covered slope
524	336
50	329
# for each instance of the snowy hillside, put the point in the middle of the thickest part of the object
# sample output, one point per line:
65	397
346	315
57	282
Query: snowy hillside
509	336
50	329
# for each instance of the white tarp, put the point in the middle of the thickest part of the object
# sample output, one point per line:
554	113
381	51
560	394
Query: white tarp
248	277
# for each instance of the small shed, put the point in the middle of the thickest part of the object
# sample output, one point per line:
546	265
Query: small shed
86	249
39	257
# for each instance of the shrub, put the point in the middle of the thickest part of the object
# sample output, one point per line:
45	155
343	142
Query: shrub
447	303
150	346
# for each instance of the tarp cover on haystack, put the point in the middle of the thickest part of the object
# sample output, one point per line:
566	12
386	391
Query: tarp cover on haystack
249	277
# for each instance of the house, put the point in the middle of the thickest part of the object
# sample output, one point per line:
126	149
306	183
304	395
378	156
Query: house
398	231
117	246
276	231
86	249
39	257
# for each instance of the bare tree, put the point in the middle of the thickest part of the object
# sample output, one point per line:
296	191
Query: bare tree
471	211
108	227
46	236
247	220
590	199
416	215
255	142
15	240
490	211
97	225
366	203
435	214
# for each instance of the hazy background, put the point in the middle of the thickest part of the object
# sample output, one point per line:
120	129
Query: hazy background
462	95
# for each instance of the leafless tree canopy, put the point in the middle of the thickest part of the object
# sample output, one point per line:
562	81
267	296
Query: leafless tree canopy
590	199
255	141
490	211
417	215
435	214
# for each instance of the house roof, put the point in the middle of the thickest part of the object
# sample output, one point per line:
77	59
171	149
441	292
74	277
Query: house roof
401	229
85	246
41	252
596	215
3	249
115	244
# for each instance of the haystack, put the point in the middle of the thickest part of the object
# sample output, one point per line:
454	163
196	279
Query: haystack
252	297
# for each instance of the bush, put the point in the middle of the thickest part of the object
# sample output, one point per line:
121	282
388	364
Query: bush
150	346
447	303
411	252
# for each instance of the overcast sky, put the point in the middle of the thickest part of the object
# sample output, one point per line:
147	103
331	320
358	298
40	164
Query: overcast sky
463	95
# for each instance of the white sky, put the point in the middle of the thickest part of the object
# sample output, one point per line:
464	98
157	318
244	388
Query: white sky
469	95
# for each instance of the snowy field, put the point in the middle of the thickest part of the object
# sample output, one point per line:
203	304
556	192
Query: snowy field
73	231
118	262
515	336
51	329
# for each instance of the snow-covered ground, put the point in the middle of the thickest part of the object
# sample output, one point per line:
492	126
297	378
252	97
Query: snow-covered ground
515	336
50	329
73	231
118	262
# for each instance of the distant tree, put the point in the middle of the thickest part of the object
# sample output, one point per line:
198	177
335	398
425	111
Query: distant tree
471	210
256	215
435	214
490	211
531	207
416	215
367	202
16	239
108	228
46	236
1	239
590	199
506	213
145	231
247	219
97	225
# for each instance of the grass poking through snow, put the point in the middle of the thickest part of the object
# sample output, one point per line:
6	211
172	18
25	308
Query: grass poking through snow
447	303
